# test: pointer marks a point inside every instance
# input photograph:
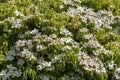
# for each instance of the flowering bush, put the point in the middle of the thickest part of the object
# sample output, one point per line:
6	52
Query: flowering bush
112	5
58	40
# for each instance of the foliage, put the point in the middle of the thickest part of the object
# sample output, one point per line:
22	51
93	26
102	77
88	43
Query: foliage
112	5
59	40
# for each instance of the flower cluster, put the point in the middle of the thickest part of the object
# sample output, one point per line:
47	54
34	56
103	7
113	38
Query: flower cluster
117	73
42	64
92	64
10	71
102	18
16	22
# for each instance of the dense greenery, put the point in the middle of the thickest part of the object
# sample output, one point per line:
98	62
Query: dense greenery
112	5
59	40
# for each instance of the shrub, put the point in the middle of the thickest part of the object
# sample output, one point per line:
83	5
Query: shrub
59	40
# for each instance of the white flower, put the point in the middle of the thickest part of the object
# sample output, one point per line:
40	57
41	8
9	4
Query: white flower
10	71
20	43
32	57
93	44
81	9
1	22
29	44
65	32
47	38
43	64
89	36
92	63
66	40
111	65
41	47
10	55
117	73
4	75
61	6
58	58
18	13
101	18
66	48
77	0
71	12
20	62
83	30
33	32
9	58
27	54
68	2
53	36
16	23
